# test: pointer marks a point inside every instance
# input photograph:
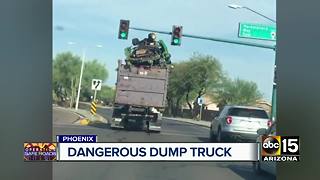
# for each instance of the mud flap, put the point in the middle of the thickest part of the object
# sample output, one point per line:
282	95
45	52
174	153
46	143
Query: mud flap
155	128
148	127
116	123
155	125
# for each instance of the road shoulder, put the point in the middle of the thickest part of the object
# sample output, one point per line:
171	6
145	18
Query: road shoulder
190	121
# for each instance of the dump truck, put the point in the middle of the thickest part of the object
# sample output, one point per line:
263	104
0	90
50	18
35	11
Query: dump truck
140	96
141	87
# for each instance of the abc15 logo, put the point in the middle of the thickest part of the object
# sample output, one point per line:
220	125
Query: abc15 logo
280	145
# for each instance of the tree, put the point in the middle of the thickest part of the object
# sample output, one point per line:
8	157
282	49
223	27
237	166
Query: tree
175	90
66	72
204	72
192	79
106	94
237	92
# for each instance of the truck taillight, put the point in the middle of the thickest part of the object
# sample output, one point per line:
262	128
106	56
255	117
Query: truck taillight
269	123
229	120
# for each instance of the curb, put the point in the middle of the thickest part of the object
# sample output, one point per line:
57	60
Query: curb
173	119
85	120
98	105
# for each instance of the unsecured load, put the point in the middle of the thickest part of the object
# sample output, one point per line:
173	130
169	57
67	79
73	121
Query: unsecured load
147	52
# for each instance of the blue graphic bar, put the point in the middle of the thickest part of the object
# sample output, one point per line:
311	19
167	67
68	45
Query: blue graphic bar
77	138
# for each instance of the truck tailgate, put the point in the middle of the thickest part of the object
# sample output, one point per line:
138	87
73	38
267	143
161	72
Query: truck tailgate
141	86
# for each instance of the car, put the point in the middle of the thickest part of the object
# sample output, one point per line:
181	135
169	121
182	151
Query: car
239	123
266	166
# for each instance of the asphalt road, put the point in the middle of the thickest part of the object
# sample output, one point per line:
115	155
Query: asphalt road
172	131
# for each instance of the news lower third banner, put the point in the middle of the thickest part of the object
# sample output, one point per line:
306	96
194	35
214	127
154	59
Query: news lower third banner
86	148
157	152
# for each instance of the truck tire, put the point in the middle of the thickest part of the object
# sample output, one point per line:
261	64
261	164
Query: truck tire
220	137
256	168
125	124
212	137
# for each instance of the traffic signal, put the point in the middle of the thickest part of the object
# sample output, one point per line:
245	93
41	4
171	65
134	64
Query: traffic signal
176	35
123	29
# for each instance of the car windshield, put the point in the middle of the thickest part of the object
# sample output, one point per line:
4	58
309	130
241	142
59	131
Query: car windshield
243	112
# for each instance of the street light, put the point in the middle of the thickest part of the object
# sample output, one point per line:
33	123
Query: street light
274	86
81	71
236	6
71	43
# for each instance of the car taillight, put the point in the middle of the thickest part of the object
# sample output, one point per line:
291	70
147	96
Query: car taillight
269	123
229	120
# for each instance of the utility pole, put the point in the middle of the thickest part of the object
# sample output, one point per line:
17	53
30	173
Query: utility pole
81	73
95	95
274	95
201	112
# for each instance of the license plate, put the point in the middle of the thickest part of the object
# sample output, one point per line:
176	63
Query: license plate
132	120
117	119
245	124
249	125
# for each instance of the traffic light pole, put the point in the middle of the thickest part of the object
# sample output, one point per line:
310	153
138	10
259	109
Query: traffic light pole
274	88
274	93
201	112
210	38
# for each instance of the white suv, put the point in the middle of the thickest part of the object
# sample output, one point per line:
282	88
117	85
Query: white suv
239	123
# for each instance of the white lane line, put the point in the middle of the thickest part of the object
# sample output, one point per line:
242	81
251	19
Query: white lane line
187	123
186	135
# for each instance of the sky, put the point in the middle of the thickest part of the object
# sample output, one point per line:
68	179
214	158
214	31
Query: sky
89	23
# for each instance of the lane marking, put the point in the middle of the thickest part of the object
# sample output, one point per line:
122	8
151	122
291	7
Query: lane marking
186	135
185	123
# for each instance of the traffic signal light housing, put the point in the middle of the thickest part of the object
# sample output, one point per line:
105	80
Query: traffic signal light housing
176	35
123	29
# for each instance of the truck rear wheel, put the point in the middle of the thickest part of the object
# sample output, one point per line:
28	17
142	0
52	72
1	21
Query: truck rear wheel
212	136
125	124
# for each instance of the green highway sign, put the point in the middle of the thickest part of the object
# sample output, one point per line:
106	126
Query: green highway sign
257	31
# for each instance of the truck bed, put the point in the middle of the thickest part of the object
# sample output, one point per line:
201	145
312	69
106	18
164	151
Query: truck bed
141	86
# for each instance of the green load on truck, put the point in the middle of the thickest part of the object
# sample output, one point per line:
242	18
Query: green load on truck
147	52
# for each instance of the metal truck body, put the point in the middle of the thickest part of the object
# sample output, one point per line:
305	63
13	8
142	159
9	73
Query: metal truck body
140	96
